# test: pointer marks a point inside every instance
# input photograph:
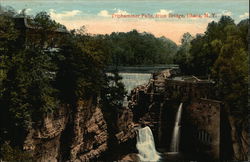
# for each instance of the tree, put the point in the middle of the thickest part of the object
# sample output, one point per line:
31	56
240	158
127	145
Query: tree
8	40
27	90
182	56
112	98
49	68
134	48
113	92
231	70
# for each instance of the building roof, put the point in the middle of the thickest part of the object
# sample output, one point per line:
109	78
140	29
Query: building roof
22	22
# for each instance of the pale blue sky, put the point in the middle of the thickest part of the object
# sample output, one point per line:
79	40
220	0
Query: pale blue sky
76	13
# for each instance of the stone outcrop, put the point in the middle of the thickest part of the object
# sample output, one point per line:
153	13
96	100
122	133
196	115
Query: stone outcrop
80	133
75	134
89	132
240	139
122	135
125	126
208	132
43	140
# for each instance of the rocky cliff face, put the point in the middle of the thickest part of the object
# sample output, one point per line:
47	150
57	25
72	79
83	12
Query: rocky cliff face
240	139
207	130
125	126
90	135
78	134
43	139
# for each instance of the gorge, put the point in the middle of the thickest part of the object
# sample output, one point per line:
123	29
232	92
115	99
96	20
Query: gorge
59	102
168	105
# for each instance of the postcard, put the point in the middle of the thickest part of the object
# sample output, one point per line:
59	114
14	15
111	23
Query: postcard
124	80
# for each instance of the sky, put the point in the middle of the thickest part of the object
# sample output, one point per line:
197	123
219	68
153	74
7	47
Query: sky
169	18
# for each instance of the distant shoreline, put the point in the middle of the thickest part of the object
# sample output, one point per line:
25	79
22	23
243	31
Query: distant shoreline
142	68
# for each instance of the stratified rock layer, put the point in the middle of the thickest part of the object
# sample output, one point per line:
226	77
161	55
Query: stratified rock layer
75	134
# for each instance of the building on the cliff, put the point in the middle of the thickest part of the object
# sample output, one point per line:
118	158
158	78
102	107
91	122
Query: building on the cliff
203	119
33	34
187	87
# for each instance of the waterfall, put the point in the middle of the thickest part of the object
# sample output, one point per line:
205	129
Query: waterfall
174	147
146	146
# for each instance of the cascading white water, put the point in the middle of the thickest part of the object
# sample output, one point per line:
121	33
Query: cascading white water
174	146
146	146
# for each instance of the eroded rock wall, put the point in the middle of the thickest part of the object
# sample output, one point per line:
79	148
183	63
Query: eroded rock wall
204	117
240	142
89	132
43	139
75	133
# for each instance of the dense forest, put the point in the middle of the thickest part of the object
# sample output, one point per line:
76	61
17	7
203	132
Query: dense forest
221	53
41	70
134	48
44	68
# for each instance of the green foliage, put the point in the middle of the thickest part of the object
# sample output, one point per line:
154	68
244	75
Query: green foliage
44	21
26	80
135	48
222	54
230	70
112	97
182	56
81	67
35	77
8	36
113	93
